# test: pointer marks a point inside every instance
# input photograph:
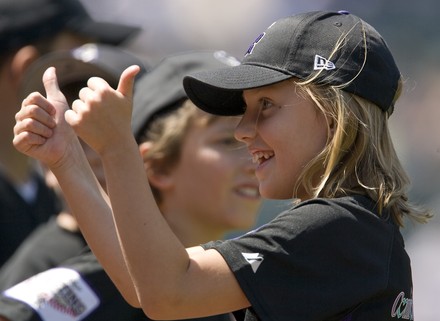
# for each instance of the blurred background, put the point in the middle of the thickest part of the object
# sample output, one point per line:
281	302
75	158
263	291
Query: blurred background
412	31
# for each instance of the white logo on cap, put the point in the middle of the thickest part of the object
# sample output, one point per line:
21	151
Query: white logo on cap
323	63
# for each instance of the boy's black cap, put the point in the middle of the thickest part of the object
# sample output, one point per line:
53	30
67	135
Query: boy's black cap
74	67
25	21
338	48
161	89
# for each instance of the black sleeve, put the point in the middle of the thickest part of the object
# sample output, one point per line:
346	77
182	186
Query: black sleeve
312	262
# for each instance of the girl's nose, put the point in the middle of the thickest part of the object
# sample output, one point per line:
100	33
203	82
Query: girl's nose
247	127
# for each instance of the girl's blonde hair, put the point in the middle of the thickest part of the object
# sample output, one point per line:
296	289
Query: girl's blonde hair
359	157
167	133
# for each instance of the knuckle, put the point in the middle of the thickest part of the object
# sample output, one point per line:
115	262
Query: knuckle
18	116
32	110
32	98
27	124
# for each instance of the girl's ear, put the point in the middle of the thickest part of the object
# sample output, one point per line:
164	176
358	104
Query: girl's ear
332	127
157	176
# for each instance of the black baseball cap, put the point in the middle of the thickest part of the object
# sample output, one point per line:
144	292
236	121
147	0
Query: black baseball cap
161	89
74	67
335	48
25	21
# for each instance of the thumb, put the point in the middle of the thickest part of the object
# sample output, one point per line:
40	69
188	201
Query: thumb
50	83
126	81
53	92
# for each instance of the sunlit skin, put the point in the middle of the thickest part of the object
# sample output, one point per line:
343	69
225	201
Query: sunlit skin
213	187
283	130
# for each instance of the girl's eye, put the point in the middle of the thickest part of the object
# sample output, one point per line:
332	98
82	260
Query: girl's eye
229	143
266	104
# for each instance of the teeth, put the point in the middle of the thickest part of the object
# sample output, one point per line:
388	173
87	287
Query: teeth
258	157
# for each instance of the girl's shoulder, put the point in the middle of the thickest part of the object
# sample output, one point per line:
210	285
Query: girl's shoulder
347	210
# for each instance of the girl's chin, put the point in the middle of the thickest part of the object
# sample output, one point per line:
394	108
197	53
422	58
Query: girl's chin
270	193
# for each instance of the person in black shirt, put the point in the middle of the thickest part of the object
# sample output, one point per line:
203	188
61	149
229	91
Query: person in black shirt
59	238
30	29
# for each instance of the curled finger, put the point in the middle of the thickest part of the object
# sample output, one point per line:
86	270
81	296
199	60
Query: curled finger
33	126
73	115
85	94
39	100
36	113
25	140
78	106
97	83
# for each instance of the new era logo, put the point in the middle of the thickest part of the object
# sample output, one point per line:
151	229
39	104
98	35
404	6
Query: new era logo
254	259
323	63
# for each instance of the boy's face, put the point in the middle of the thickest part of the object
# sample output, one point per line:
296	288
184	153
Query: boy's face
214	180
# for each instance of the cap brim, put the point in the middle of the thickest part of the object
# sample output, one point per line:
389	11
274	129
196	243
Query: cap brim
105	32
219	92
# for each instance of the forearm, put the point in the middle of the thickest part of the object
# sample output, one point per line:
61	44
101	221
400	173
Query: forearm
156	259
88	203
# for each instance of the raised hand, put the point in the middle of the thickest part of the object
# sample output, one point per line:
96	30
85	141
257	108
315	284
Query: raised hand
102	115
41	130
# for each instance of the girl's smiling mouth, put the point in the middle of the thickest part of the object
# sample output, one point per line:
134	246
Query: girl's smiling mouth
260	156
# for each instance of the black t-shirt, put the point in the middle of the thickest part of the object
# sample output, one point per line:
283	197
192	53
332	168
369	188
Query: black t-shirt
46	247
18	218
77	290
324	259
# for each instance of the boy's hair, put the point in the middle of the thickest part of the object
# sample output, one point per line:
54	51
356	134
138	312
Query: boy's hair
359	157
167	133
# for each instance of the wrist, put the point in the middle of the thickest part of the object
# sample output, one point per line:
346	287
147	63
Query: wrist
120	148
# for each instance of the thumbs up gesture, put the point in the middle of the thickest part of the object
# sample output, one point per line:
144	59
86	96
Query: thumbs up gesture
47	129
40	130
102	115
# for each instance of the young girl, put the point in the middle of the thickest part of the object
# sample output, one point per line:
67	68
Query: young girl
315	91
